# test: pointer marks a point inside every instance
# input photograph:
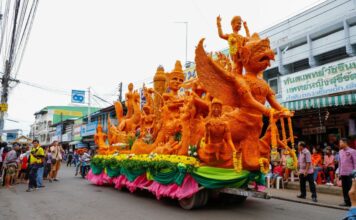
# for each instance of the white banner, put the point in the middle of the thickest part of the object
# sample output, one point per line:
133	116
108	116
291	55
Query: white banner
336	77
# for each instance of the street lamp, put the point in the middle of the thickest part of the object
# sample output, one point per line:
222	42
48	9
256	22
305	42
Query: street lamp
186	40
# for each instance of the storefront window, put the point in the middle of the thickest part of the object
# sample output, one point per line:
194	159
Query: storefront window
273	83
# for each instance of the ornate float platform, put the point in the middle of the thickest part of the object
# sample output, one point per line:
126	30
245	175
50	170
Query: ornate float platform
204	134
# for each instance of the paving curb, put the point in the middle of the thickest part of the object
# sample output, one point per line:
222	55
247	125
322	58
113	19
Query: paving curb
331	190
311	203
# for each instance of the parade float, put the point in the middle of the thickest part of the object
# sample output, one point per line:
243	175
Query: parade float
204	140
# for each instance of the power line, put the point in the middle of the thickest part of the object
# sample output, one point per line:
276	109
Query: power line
13	34
48	89
103	100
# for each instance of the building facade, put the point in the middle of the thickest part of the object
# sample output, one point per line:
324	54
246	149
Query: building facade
314	72
42	128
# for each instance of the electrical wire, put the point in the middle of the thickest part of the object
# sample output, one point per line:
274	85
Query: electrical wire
48	89
18	17
95	94
25	37
97	102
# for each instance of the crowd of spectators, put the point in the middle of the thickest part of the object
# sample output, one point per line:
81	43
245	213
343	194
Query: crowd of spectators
29	164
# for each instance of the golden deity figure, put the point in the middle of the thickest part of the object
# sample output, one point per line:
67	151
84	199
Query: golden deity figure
218	147
235	40
129	100
100	139
147	122
170	110
130	124
168	124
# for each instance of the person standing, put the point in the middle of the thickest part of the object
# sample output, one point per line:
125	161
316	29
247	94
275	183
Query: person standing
11	164
76	158
305	172
24	165
70	158
347	164
48	165
40	171
36	159
56	152
6	149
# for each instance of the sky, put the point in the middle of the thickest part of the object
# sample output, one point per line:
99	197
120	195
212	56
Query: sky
98	44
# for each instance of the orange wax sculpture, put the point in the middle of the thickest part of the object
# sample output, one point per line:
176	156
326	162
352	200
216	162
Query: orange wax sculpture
220	112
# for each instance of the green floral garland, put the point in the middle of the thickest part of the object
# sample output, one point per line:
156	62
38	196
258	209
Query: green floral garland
98	162
166	169
113	163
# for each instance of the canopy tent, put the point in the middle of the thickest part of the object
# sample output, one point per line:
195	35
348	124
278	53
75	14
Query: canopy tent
321	102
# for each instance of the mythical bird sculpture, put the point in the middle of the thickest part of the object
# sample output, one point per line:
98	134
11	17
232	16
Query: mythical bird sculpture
245	94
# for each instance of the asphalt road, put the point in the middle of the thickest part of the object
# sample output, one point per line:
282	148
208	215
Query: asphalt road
75	198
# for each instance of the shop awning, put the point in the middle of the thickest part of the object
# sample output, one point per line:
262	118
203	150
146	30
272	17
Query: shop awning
321	102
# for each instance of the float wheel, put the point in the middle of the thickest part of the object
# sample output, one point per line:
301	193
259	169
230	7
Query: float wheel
198	200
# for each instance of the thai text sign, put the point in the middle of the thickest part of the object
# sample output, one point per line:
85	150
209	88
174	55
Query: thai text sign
331	78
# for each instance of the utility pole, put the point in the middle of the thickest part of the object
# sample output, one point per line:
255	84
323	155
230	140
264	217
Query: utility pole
4	93
6	77
89	105
120	91
19	25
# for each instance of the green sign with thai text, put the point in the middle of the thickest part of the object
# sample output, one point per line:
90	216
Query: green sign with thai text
336	77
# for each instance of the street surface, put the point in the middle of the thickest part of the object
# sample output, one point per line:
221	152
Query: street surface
75	198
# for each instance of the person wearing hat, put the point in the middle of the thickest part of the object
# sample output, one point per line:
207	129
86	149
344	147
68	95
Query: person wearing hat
329	166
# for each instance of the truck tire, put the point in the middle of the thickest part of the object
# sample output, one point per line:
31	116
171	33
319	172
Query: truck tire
202	199
198	200
187	203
